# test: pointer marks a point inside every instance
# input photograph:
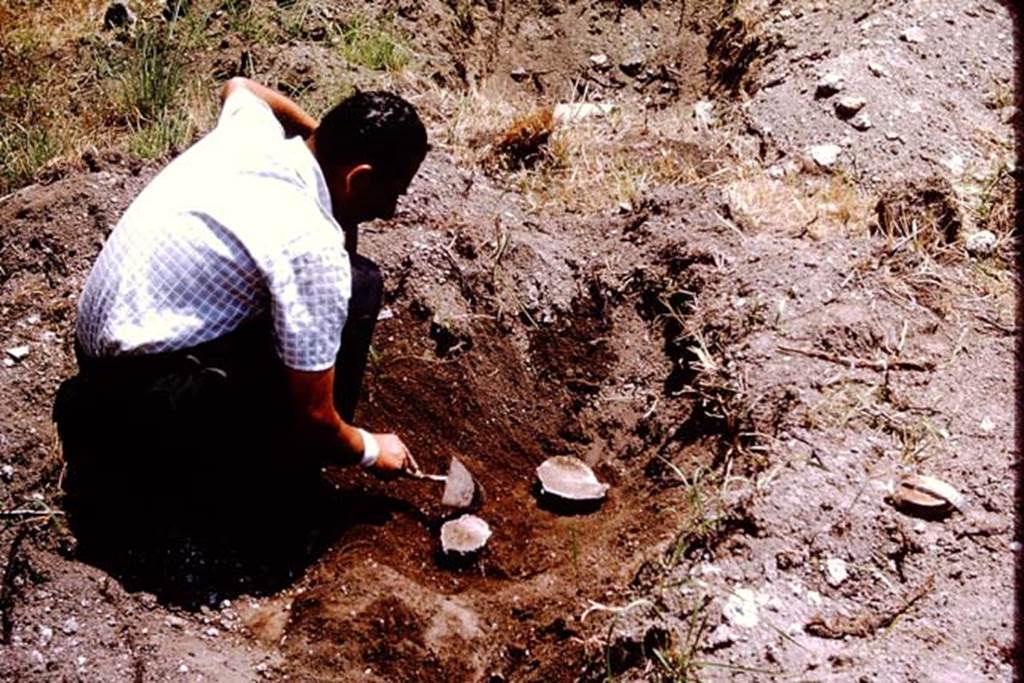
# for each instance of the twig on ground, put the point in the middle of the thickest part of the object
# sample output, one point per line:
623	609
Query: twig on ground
880	365
598	607
868	623
22	513
7	585
1005	329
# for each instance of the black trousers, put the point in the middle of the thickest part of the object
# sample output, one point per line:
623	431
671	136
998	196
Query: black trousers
200	423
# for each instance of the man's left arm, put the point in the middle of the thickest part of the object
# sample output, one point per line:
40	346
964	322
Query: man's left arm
294	120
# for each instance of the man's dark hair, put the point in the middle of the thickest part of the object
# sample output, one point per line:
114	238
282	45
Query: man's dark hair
375	127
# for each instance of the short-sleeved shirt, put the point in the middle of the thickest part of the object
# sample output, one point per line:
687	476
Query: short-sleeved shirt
237	226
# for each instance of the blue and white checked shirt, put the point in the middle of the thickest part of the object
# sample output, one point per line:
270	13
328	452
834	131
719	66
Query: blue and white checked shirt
239	224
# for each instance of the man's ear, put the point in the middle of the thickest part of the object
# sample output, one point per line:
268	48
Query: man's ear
358	178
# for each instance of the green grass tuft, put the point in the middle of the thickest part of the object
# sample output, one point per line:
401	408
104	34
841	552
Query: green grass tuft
373	44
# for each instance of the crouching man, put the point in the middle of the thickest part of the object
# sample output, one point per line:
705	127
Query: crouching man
229	315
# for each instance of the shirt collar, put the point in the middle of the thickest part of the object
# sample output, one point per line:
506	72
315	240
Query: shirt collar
309	171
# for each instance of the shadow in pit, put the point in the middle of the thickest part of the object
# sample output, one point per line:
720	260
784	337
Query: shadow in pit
212	538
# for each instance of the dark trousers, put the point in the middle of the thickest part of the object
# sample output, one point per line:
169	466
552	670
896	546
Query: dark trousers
203	422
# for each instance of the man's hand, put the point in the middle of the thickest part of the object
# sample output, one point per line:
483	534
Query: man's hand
394	456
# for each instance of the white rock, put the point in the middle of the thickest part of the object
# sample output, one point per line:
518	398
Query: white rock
785	14
183	669
862	122
212	632
722	636
877	69
914	34
599	61
836	571
814	598
45	635
741	608
7	472
829	85
573	112
987	425
704	112
849	105
825	155
18	353
69	626
955	164
981	243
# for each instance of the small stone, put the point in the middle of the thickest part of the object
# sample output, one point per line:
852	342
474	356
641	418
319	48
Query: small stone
632	66
118	15
704	112
814	598
7	472
987	425
861	122
212	632
519	75
829	85
981	243
18	353
955	163
914	34
835	571
69	626
785	14
183	669
722	637
741	608
877	70
825	155
45	635
599	61
846	107
176	622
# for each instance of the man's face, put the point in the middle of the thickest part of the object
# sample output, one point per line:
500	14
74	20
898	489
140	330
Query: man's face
362	193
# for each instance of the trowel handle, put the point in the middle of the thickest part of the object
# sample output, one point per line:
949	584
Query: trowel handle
423	475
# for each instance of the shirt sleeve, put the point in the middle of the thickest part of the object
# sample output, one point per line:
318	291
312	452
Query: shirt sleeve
309	284
246	114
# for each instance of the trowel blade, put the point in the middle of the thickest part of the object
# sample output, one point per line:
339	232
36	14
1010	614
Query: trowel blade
459	488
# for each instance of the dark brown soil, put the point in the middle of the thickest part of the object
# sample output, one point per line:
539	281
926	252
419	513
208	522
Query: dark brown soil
739	386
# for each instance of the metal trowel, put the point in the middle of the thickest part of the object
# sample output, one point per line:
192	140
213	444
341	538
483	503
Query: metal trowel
459	487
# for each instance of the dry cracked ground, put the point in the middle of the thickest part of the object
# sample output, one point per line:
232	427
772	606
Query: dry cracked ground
754	262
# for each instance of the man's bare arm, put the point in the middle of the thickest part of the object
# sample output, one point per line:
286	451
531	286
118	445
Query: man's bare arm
312	395
292	117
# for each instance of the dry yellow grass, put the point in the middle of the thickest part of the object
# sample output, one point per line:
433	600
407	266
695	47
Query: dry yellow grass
795	204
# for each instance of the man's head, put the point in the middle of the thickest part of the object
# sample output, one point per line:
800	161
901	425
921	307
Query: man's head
369	147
